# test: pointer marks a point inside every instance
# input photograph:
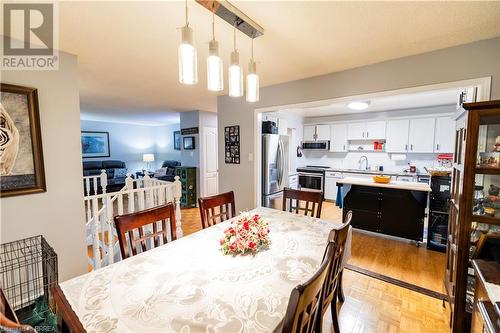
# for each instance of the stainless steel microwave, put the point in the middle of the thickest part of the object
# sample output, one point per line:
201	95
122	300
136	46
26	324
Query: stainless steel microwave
316	145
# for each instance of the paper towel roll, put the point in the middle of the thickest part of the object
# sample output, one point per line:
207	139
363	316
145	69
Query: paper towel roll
398	157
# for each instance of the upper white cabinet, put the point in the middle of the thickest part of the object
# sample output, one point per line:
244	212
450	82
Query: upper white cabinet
366	131
444	139
375	130
397	136
356	131
309	132
316	132
338	138
322	132
421	138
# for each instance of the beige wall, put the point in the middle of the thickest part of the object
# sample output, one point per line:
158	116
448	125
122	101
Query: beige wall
468	61
57	214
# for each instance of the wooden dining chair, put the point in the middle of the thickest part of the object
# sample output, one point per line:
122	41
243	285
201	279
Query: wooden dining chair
332	288
216	208
297	201
129	223
304	304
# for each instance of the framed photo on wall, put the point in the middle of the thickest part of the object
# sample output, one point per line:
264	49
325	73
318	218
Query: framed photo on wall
21	156
232	144
177	140
95	144
188	143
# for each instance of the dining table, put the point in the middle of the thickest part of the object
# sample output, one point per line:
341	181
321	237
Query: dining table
189	285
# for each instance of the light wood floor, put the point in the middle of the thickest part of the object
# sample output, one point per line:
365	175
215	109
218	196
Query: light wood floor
372	305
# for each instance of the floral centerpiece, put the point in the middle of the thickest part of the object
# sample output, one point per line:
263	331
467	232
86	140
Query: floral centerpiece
248	233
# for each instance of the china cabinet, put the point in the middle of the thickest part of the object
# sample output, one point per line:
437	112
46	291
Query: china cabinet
474	205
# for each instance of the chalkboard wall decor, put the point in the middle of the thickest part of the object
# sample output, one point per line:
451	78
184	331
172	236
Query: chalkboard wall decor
232	140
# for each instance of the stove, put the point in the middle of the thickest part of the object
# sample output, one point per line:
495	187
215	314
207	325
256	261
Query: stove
312	177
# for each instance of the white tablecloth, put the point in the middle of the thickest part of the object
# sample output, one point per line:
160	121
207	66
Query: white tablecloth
189	286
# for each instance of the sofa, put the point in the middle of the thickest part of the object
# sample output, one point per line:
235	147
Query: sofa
167	170
116	171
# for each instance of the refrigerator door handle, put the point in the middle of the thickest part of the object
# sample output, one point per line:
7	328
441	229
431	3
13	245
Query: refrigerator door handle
278	163
282	163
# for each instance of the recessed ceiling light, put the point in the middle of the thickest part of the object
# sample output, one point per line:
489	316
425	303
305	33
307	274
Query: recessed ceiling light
358	105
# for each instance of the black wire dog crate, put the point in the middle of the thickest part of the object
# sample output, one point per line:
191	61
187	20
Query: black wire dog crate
28	271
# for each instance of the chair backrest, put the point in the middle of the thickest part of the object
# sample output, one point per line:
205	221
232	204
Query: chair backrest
304	304
339	238
297	201
134	223
8	317
216	208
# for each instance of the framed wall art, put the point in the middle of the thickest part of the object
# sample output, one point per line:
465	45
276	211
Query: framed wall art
232	144
188	143
21	155
177	140
95	144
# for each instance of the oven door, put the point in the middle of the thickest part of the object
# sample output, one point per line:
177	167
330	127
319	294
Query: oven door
311	182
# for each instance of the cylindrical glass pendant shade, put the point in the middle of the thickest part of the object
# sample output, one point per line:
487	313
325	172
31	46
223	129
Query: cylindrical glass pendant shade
252	82
215	72
235	77
188	68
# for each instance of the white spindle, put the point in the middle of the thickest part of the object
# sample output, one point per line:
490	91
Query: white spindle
177	195
95	229
141	200
87	186
110	228
120	204
104	181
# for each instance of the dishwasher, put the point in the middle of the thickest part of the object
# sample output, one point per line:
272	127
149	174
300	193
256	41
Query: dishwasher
331	178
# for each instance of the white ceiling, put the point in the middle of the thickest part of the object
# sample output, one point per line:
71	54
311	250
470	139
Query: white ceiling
384	103
128	50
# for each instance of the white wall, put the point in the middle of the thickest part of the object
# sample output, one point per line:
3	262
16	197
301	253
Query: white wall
58	214
468	61
129	141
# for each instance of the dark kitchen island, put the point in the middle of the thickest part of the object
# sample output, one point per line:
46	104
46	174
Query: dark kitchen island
396	209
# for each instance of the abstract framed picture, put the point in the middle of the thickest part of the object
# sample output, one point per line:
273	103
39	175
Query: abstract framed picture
95	144
21	156
177	140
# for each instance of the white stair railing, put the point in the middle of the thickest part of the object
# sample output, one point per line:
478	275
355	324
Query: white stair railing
137	194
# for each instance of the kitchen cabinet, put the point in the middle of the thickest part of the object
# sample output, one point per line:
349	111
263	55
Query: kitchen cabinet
316	132
331	178
338	138
444	138
388	211
309	132
421	138
366	131
375	130
397	136
356	131
293	181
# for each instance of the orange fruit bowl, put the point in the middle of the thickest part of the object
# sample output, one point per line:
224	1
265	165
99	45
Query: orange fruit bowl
382	179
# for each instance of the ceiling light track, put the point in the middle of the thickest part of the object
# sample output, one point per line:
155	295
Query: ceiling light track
232	15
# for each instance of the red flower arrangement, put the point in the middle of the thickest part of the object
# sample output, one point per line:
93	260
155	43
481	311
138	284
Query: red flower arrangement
248	233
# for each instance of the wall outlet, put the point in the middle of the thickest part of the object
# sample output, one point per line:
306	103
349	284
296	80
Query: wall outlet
250	157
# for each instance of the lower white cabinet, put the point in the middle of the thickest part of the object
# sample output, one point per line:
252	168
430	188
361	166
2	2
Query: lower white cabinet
331	185
293	182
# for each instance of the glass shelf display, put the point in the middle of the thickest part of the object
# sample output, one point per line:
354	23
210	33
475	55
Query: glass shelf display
486	202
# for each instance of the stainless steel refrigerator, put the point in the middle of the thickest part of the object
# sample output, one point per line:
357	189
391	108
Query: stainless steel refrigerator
274	169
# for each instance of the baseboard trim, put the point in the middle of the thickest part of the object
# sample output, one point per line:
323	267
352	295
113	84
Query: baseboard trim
398	283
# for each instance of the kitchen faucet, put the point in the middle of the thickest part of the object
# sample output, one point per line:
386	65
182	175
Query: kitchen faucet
361	162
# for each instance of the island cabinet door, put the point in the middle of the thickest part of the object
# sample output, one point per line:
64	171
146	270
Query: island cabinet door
402	213
364	202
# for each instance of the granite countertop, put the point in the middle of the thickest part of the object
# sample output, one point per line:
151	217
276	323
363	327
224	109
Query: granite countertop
411	186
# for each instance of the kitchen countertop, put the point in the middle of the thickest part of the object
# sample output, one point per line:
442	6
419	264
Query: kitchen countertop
411	186
371	172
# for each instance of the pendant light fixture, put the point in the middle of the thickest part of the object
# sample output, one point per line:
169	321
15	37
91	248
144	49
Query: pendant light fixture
215	76
235	76
252	80
188	68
